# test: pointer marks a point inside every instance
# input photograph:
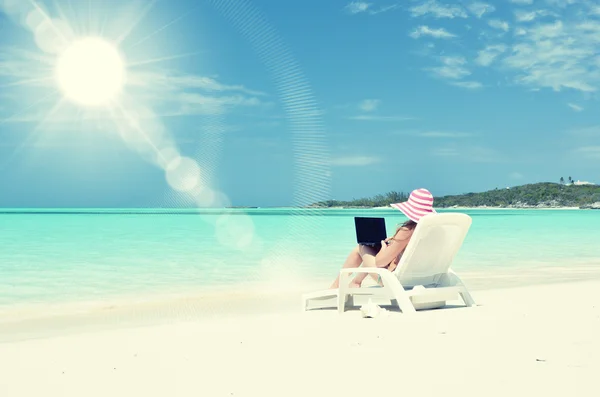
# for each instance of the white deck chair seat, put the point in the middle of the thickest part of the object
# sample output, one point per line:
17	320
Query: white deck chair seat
423	278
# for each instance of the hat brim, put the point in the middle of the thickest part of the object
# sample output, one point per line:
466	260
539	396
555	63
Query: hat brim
412	213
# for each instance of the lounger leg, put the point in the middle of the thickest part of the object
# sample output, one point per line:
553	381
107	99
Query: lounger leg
404	303
452	280
467	298
397	292
341	301
350	300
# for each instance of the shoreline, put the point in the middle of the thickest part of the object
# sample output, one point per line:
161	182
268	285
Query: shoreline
220	210
42	320
460	208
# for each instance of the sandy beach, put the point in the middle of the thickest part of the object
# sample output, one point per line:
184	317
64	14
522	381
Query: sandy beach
535	340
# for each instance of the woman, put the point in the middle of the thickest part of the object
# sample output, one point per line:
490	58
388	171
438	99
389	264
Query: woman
419	204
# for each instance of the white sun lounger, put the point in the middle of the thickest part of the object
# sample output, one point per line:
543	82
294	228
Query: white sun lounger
423	278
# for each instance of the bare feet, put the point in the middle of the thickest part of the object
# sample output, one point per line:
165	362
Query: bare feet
354	285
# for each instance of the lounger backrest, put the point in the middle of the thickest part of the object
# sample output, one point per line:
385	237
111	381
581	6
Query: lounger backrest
432	248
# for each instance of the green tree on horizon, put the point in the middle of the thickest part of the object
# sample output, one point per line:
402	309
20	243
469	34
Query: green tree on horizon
544	194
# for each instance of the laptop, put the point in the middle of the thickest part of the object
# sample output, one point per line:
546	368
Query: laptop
370	231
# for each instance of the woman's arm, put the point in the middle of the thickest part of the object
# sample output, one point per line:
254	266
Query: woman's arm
388	253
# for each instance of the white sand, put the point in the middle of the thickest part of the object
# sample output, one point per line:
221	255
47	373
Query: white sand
534	341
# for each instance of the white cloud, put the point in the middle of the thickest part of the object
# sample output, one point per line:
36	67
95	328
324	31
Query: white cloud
369	117
558	55
498	24
487	56
444	152
520	32
356	7
471	85
369	105
171	93
479	9
354	161
528	16
575	107
444	134
438	10
452	68
516	175
591	131
384	9
424	30
588	151
469	154
174	81
562	3
525	16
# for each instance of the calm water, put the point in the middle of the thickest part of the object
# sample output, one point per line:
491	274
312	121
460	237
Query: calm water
73	256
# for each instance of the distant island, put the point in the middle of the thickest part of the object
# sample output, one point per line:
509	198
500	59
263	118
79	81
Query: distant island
537	195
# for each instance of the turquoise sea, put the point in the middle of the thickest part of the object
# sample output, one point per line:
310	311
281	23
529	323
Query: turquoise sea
62	256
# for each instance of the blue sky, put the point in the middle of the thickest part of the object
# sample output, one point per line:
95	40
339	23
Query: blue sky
287	102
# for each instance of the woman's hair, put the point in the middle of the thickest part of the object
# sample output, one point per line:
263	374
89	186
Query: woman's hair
409	224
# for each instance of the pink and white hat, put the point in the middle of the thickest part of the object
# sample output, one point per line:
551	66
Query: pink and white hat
419	204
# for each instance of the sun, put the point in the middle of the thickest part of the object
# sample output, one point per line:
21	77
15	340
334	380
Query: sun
90	72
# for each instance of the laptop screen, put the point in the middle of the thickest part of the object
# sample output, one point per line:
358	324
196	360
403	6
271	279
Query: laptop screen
369	230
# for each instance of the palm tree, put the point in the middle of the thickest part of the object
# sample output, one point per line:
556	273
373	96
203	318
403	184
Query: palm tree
562	180
570	180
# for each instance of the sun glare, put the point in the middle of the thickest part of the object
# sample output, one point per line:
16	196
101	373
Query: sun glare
90	72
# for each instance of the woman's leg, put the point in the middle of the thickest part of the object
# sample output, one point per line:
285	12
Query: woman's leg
368	260
354	260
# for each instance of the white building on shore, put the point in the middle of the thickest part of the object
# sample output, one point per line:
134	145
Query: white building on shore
580	183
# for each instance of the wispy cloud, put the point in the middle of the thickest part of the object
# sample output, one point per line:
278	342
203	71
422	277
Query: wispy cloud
558	55
520	32
438	10
369	105
354	161
372	117
453	67
575	107
592	152
515	175
176	81
522	2
445	152
444	134
487	56
384	9
498	24
424	30
590	131
171	93
359	7
525	16
479	9
564	3
471	85
356	7
530	15
469	154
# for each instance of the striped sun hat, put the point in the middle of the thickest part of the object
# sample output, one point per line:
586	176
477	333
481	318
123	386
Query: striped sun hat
419	204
